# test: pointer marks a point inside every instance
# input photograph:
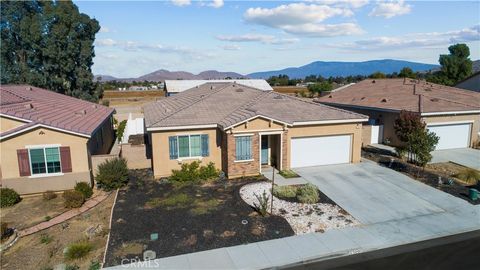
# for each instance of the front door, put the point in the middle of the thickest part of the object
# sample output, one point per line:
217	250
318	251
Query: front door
264	151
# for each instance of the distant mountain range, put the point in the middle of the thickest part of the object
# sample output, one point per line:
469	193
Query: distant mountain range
327	69
162	75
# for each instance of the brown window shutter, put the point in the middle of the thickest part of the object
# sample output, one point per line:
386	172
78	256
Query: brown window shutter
23	162
66	159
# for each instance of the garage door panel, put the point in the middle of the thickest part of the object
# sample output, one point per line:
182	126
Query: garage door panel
452	135
324	150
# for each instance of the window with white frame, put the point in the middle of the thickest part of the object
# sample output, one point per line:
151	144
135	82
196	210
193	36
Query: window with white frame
243	148
188	146
45	160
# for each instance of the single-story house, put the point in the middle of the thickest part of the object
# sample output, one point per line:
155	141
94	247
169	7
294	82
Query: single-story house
47	139
452	113
242	129
177	86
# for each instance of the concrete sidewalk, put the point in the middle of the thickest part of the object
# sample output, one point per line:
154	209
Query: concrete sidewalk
282	181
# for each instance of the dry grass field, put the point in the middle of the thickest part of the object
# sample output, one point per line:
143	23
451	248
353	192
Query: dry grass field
289	90
109	94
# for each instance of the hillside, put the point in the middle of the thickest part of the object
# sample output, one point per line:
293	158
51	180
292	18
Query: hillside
327	69
162	75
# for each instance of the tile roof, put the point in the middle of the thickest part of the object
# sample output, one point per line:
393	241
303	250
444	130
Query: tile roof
408	94
226	104
40	106
175	86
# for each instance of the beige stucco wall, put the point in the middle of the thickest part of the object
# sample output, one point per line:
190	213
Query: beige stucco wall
258	124
458	118
8	123
42	136
163	165
354	129
366	134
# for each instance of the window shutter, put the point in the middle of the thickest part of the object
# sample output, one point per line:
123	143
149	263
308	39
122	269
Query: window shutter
205	145
23	162
173	147
65	159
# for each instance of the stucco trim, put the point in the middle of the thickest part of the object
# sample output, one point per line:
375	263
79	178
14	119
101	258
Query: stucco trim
15	118
449	113
450	123
340	121
43	126
181	127
254	117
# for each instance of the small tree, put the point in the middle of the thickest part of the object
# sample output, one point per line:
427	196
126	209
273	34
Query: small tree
421	143
406	123
121	130
377	75
317	88
407	72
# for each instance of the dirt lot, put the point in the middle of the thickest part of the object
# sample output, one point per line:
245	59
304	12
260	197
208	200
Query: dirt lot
31	211
132	94
289	89
30	253
173	219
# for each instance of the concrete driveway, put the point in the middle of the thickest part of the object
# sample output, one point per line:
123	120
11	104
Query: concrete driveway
464	156
374	194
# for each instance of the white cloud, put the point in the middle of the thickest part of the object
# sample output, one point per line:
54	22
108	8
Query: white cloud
304	19
181	3
104	29
342	3
415	40
216	3
231	47
390	9
266	39
158	48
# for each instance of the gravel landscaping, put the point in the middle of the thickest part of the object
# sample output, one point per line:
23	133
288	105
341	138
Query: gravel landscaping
304	218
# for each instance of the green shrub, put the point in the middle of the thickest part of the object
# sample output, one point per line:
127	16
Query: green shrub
45	239
288	174
73	199
94	265
72	267
8	197
106	102
208	172
85	189
112	174
401	152
285	192
121	130
307	194
262	206
49	195
193	172
47	218
78	250
470	176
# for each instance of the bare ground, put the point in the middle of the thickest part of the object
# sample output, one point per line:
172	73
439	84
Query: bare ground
30	253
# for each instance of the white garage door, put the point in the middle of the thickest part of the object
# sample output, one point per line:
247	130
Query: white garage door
324	150
452	135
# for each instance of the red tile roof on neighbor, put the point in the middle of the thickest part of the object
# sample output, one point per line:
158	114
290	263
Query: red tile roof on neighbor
227	104
405	94
37	106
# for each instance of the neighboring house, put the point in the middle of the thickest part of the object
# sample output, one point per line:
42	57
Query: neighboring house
471	83
452	113
47	139
177	86
241	129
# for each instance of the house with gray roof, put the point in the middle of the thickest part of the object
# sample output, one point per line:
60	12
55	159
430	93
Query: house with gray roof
242	129
47	139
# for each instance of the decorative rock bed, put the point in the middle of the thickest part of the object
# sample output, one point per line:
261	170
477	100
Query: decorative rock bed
303	218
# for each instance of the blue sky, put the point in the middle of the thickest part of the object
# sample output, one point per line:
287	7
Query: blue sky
247	36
